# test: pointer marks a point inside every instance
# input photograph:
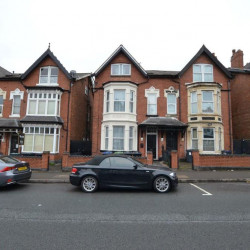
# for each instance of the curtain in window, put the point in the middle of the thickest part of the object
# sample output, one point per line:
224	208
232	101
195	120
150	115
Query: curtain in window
28	143
119	100
51	107
171	99
32	107
207	102
48	143
16	104
118	138
208	139
38	143
41	107
152	107
194	103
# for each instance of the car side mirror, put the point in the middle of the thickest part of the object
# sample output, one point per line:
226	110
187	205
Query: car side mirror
135	166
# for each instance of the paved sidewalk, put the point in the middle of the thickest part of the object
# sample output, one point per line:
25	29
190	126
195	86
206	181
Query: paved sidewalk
185	176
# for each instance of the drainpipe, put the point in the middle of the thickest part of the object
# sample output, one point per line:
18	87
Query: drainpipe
229	113
67	130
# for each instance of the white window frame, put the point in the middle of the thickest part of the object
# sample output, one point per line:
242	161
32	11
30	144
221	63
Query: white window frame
194	102
172	103
121	69
203	73
194	138
208	139
44	96
154	103
131	101
120	100
203	101
49	75
1	107
119	138
13	106
86	90
131	138
43	130
106	142
218	102
107	101
17	92
219	139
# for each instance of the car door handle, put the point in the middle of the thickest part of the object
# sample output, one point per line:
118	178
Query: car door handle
147	171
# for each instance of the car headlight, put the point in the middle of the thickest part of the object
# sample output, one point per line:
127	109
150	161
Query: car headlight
173	174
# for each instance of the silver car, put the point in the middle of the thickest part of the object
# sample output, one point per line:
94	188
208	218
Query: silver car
13	171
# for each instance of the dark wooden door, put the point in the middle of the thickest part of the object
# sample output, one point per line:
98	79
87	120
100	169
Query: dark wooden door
14	144
151	144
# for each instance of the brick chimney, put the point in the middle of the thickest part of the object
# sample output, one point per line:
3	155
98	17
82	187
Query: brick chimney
237	59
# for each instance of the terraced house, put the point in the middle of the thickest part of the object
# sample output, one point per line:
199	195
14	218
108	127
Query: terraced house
151	110
39	109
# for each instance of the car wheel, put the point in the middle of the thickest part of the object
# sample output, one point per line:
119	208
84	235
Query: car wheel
162	184
89	184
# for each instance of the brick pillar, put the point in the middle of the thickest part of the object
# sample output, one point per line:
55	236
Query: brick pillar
45	160
149	157
196	159
65	159
174	159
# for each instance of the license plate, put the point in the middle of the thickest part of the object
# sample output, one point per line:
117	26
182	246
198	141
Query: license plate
22	168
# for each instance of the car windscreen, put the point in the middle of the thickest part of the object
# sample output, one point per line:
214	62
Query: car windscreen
7	159
137	162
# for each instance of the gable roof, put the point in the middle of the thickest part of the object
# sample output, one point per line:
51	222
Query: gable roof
120	49
204	50
40	59
4	72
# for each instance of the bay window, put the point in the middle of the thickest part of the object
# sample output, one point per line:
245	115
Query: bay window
208	139
44	104
48	75
39	139
118	137
207	102
202	73
119	100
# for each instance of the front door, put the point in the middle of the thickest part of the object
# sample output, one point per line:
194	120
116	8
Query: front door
151	144
14	144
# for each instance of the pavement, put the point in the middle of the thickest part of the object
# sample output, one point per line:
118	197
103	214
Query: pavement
184	175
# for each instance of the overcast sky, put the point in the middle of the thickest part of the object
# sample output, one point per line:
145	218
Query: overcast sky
160	34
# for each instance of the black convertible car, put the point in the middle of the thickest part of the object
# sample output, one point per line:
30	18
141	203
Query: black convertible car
106	171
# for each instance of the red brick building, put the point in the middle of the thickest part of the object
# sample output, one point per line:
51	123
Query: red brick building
44	109
240	89
141	110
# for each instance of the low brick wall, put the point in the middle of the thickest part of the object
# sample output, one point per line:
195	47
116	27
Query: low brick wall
36	162
220	161
69	160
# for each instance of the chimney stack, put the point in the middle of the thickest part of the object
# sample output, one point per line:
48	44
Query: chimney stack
237	59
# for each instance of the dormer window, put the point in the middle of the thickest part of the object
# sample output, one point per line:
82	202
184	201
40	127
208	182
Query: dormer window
48	75
120	69
202	73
